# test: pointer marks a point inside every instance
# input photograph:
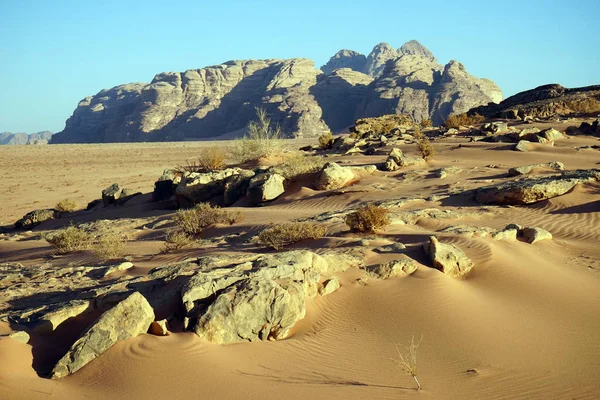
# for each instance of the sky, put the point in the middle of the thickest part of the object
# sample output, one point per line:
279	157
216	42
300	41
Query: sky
53	53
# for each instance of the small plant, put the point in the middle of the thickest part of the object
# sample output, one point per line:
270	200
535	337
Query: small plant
68	240
281	235
369	218
263	139
300	167
417	133
407	359
425	148
66	205
110	246
213	158
326	140
194	220
175	240
425	123
458	120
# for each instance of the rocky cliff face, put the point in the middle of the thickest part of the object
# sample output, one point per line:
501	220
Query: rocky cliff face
304	101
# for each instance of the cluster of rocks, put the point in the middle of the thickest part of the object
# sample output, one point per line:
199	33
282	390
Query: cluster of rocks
115	195
586	128
500	132
510	232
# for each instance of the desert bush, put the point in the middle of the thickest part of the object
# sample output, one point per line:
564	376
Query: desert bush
262	139
425	123
369	218
584	106
175	240
458	120
417	133
281	235
110	246
68	240
194	220
66	205
300	167
425	148
326	140
407	359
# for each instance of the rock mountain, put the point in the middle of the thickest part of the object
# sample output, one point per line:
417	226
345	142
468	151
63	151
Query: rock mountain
9	138
221	100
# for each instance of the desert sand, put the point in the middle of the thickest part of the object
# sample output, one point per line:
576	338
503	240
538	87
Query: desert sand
524	324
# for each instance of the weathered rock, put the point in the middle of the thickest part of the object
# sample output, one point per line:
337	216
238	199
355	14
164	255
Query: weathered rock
124	266
236	187
523	145
534	235
529	134
333	176
526	169
129	318
509	233
159	328
448	258
345	59
111	194
329	286
50	318
551	134
198	187
164	187
19	336
256	309
265	187
496	127
529	191
403	267
34	218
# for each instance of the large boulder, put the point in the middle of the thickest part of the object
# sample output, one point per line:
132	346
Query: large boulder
333	176
448	258
111	194
129	318
164	187
35	217
265	187
199	187
528	191
236	186
402	267
527	169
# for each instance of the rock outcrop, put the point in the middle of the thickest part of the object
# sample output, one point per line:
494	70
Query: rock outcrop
306	102
333	176
448	258
9	138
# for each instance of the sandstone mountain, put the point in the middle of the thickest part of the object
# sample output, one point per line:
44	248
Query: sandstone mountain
545	101
220	100
9	138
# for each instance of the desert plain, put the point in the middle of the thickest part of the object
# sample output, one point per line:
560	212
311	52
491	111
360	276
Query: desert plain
522	324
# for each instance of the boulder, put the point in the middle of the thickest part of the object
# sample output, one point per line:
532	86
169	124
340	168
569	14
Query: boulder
496	127
265	187
523	145
256	309
236	187
448	258
509	233
199	187
129	318
34	218
403	267
526	169
333	176
551	134
164	187
111	194
329	286
534	235
19	336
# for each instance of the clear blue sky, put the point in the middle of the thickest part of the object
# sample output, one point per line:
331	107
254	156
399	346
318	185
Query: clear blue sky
53	53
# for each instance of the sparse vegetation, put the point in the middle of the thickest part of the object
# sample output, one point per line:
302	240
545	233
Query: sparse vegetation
281	235
194	220
417	133
175	240
425	148
263	139
66	205
300	167
407	359
456	121
369	218
68	240
425	123
110	246
326	140
584	106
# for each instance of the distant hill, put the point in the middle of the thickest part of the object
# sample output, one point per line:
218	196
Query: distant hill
218	101
9	138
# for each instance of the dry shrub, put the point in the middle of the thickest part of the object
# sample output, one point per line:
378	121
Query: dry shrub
66	205
417	134
456	121
194	220
213	158
175	240
584	106
263	139
426	123
407	359
69	239
300	167
110	246
369	218
326	140
281	235
425	148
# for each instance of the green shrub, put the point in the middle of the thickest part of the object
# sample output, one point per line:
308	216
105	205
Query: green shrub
68	240
281	235
263	139
369	218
